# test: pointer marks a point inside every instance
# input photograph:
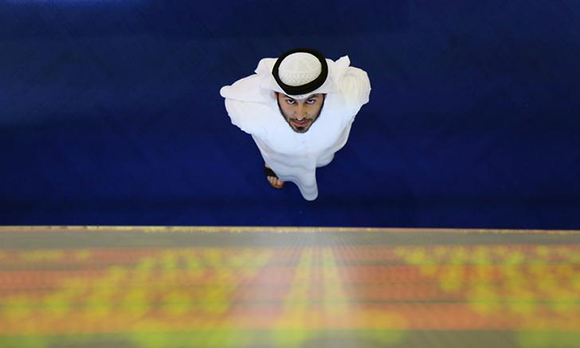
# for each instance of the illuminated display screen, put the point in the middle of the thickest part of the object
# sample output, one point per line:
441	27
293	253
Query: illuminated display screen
277	287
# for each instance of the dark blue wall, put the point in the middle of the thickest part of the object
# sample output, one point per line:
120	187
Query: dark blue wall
110	113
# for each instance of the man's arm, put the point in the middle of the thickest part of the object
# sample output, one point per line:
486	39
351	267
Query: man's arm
355	87
247	104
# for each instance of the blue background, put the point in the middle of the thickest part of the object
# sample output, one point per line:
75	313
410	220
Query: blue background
110	113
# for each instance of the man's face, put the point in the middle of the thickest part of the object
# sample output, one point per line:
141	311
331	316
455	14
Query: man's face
300	113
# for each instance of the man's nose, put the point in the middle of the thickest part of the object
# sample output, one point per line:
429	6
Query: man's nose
300	112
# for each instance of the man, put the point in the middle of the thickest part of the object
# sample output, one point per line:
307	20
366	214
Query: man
299	109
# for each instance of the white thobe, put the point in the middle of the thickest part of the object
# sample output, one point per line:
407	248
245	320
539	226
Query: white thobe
252	106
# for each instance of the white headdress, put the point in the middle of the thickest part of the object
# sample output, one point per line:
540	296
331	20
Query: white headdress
298	73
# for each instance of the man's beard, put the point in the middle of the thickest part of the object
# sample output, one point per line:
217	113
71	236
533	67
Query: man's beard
298	129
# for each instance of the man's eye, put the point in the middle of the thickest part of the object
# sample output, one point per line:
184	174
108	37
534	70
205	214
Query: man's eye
311	101
290	101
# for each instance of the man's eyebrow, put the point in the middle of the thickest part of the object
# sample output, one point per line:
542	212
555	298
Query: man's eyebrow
315	95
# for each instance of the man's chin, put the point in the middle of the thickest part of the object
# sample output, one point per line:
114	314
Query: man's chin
303	129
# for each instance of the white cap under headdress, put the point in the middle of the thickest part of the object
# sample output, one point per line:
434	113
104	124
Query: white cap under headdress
299	68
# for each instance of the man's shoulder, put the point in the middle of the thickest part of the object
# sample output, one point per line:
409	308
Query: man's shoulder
251	88
246	89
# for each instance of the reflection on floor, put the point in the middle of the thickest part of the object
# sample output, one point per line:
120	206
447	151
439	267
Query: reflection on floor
288	287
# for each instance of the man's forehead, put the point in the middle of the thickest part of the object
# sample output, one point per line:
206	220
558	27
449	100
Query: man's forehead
302	98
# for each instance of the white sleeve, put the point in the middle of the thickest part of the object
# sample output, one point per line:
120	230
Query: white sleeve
356	88
246	104
248	116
